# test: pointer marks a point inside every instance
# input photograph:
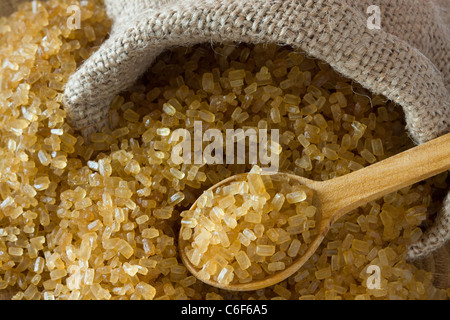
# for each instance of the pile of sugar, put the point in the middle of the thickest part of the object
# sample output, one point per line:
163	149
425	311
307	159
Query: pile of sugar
101	220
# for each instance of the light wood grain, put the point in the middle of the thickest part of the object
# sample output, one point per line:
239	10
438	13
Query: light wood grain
341	195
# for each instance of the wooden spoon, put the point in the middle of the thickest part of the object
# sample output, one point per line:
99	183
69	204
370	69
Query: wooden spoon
336	197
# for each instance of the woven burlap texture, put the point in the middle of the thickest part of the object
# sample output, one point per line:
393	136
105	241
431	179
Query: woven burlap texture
407	60
8	6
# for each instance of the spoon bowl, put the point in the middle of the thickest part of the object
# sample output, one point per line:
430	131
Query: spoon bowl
276	277
336	197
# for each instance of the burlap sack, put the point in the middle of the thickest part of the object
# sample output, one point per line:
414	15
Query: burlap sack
407	60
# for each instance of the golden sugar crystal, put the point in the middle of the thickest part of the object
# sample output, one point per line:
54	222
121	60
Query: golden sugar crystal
164	132
251	88
323	273
243	239
377	147
177	173
189	222
282	291
296	220
206	223
216	215
223	237
58	274
276	266
273	234
124	248
226	201
354	166
292	99
243	260
208	82
176	198
265	250
256	184
275	115
150	233
44	157
296	197
15	251
236	75
41	183
294	248
259	230
230	220
253	217
169	109
279	255
225	275
368	156
207	116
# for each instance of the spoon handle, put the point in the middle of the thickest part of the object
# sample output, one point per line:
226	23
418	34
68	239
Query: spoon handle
344	194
